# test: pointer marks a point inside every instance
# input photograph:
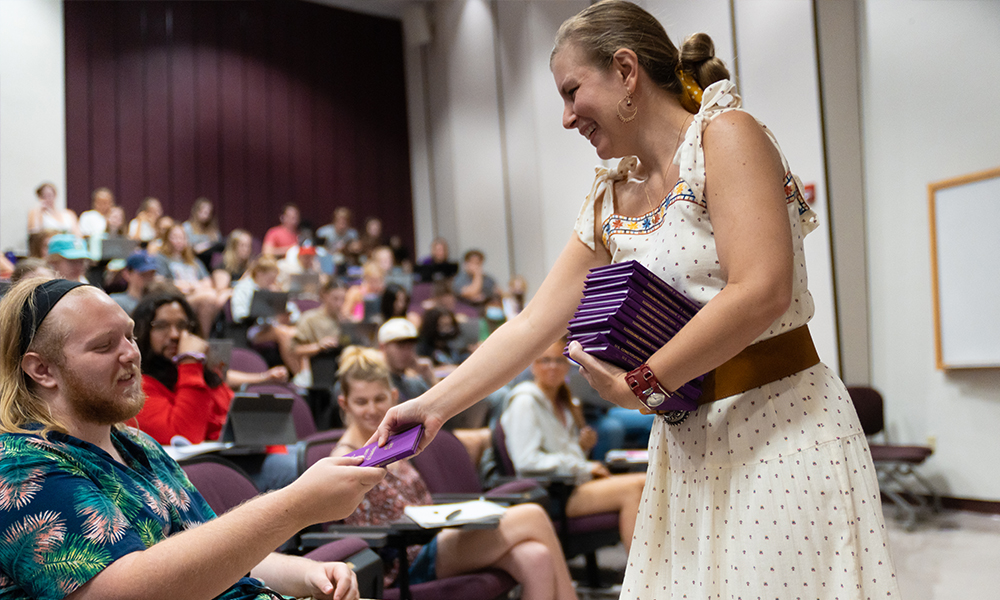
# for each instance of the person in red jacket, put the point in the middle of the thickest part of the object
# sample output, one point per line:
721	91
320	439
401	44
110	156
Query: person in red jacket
185	397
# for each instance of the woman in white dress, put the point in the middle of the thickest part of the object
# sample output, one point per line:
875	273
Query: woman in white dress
767	490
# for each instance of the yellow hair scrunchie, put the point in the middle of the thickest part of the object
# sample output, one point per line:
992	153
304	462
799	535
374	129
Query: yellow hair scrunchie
690	91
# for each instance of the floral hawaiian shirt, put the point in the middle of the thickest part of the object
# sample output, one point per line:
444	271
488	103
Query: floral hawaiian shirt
68	510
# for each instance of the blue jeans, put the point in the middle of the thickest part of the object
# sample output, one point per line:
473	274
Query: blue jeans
621	428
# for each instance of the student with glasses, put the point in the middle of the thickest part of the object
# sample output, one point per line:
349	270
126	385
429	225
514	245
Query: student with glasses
545	430
184	396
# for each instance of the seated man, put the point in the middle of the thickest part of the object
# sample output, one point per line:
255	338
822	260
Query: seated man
318	330
284	235
472	285
98	509
185	396
139	273
68	257
411	375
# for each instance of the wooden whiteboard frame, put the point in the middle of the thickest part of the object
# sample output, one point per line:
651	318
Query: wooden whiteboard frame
942	362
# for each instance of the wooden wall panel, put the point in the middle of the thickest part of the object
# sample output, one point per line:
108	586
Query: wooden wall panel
252	104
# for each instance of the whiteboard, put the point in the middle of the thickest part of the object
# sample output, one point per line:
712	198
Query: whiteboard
965	264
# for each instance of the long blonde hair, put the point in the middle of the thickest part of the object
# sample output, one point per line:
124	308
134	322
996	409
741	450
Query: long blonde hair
20	404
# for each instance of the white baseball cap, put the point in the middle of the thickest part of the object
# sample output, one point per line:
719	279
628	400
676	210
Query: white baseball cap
395	330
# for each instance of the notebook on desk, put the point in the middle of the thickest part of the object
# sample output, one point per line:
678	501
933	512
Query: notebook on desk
257	420
304	285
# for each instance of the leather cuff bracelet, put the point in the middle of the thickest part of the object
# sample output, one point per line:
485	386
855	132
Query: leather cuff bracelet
645	386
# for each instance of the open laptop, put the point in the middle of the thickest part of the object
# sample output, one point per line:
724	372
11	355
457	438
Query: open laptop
324	369
304	284
257	420
266	303
117	247
220	351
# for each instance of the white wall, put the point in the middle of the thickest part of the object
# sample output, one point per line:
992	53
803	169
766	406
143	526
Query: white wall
32	111
929	93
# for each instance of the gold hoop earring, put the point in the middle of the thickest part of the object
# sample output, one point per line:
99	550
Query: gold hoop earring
630	110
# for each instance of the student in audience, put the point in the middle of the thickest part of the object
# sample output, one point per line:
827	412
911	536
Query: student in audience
6	267
184	396
339	232
105	512
411	375
163	225
401	254
394	274
143	226
363	300
472	285
395	302
68	256
285	234
263	275
514	296
439	335
177	263
94	222
318	330
116	225
524	544
300	259
235	258
31	267
202	229
545	432
139	273
47	217
371	236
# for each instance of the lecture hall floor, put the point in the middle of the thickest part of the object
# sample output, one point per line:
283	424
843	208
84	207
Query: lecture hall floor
956	555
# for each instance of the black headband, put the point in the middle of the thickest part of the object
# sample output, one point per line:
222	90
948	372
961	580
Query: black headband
43	299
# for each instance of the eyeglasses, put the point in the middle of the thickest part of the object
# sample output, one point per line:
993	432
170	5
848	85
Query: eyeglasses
184	325
552	361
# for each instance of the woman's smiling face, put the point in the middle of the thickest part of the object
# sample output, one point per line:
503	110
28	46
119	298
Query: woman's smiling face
590	98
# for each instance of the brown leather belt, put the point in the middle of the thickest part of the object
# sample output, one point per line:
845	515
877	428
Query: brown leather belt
760	364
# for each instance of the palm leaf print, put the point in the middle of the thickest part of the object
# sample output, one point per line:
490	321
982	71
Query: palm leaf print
75	563
150	531
26	542
103	522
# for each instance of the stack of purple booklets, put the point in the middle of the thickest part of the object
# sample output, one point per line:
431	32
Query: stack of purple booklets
627	313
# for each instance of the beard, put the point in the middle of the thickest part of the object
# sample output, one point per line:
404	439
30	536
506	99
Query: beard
97	404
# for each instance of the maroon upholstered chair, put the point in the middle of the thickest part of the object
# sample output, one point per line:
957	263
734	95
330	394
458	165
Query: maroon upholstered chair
247	360
448	471
225	486
485	585
579	535
895	464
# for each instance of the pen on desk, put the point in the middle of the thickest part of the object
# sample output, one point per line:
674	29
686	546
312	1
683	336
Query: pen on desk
453	514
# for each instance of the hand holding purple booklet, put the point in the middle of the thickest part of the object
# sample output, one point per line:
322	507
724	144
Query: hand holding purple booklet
400	445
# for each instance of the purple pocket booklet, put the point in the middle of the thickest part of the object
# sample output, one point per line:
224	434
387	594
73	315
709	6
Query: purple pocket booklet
400	445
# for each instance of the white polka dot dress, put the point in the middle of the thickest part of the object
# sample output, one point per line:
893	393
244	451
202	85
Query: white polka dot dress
769	494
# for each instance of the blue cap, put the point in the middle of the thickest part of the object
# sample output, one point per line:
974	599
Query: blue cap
141	262
68	246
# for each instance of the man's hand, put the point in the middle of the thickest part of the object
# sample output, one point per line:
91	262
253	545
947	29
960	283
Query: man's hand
331	489
328	343
189	342
332	581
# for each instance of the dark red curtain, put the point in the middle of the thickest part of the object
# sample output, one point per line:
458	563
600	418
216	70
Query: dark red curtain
252	104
